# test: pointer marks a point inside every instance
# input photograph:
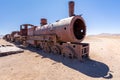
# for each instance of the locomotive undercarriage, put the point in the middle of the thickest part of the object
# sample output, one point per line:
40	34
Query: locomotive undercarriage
49	44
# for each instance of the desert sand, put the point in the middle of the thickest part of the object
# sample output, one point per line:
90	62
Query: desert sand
33	64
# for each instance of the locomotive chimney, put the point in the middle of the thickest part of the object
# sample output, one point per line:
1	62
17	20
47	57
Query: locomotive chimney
43	21
71	8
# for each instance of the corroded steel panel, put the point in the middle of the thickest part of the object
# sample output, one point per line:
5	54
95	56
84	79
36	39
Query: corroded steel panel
72	29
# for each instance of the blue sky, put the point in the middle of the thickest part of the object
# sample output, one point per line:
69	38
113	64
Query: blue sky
101	16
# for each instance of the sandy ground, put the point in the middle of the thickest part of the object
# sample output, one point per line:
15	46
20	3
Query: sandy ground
33	64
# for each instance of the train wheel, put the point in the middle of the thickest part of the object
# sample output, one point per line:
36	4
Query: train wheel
55	49
24	43
46	48
41	46
68	52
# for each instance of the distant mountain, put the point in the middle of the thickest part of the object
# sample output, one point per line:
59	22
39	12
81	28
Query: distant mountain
108	34
1	36
105	34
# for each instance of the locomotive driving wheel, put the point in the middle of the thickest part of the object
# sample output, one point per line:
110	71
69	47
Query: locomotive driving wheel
46	47
25	43
68	52
41	45
55	49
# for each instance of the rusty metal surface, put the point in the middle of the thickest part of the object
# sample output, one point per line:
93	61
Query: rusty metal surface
6	37
67	30
31	30
14	32
43	21
24	29
71	8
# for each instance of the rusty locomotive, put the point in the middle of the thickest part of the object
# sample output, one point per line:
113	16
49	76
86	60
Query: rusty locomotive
61	37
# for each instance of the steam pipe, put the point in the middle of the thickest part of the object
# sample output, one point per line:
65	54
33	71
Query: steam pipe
71	8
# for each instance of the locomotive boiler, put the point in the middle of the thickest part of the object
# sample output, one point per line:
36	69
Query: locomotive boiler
72	29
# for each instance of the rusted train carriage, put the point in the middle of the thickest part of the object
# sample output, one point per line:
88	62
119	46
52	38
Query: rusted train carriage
15	36
24	32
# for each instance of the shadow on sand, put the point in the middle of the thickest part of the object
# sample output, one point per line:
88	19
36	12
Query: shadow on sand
88	67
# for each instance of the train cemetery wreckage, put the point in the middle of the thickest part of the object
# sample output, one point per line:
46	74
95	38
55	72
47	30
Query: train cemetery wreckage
9	49
63	37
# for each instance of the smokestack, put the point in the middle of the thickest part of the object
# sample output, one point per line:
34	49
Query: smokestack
43	21
71	8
